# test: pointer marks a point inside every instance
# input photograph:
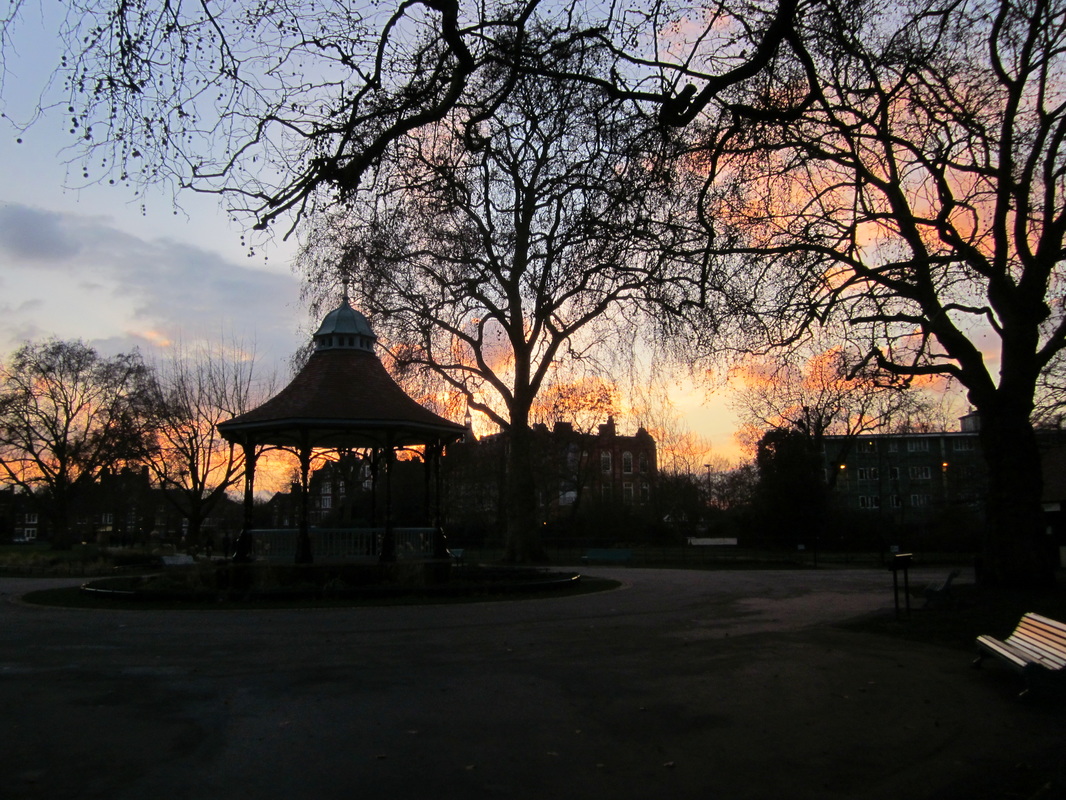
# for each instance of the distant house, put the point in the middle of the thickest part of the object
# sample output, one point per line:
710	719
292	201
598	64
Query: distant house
906	476
603	474
19	521
121	508
920	484
113	509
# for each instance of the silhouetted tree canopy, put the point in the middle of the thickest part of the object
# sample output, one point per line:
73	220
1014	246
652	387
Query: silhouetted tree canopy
66	415
915	195
898	165
490	266
284	106
192	391
790	497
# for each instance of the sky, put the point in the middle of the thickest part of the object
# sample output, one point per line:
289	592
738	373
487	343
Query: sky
118	271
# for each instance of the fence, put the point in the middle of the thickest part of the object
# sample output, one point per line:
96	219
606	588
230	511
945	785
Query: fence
342	544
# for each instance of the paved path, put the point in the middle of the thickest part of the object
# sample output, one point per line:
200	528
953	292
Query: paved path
680	685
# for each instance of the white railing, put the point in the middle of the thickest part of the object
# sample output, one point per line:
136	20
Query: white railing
341	544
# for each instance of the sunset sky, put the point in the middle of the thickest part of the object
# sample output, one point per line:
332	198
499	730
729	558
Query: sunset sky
89	263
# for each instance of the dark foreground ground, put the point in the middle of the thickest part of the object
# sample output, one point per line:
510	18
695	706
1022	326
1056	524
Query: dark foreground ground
679	685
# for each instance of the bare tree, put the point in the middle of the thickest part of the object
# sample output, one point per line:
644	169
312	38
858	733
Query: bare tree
731	487
1050	408
66	415
898	165
582	403
911	185
287	107
489	267
193	390
818	392
279	107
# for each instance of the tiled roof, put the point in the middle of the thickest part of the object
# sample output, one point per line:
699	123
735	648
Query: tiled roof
342	397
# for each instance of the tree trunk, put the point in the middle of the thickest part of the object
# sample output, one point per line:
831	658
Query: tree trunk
193	534
523	544
1017	550
57	508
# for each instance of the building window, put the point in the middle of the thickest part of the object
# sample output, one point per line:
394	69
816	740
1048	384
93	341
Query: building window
897	501
917	445
893	473
893	445
627	493
605	461
29	534
869	501
645	493
605	492
642	463
327	501
868	473
31	518
962	444
573	457
919	473
869	446
919	500
627	463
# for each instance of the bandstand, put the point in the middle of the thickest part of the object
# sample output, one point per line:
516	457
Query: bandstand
342	400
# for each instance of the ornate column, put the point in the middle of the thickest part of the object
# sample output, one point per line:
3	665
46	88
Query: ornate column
440	541
244	547
388	539
303	538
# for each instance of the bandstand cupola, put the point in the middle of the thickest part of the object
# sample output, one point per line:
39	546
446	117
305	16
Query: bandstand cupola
345	328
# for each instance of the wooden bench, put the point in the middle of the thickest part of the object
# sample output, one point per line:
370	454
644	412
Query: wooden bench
1036	648
607	556
936	593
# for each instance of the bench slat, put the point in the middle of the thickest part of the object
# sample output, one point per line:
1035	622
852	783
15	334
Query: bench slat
1040	642
1041	637
1001	649
1045	637
1036	641
1047	621
1036	648
1043	626
1037	655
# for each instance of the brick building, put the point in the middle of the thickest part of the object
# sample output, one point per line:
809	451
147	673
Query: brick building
602	478
926	489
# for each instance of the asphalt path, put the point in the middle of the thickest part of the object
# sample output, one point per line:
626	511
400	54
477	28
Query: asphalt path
681	684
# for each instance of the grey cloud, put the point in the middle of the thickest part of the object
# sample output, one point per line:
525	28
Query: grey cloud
29	306
30	234
160	289
186	291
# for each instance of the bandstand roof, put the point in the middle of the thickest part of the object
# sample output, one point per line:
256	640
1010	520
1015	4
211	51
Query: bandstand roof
342	398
